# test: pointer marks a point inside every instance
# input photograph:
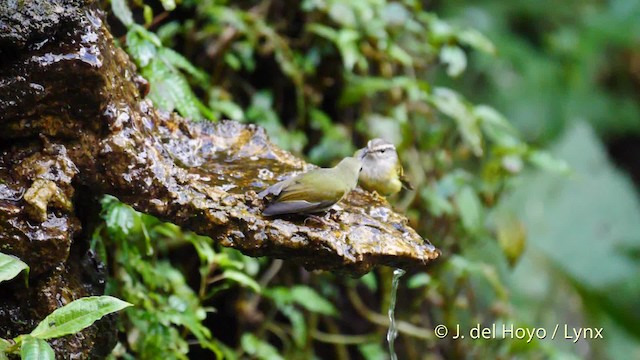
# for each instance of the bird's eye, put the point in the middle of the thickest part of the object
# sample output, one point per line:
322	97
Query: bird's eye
383	150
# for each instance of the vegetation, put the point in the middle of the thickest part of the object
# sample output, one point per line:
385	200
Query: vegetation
69	319
515	224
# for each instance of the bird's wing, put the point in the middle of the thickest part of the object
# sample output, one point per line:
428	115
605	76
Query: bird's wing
296	207
275	189
403	179
299	189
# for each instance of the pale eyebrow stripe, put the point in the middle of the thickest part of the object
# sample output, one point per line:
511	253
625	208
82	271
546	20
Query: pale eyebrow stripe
383	147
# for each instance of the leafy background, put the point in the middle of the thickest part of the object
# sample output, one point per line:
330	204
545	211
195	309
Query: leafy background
517	121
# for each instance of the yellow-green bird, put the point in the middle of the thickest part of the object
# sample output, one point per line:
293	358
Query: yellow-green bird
314	191
381	168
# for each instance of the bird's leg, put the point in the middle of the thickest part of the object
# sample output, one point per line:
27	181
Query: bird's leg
320	219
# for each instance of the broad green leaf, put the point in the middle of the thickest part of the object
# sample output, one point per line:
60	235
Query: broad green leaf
359	87
496	127
77	315
168	5
455	59
170	90
242	279
140	49
311	300
348	46
11	266
298	324
343	14
176	59
373	351
453	105
470	208
4	344
546	161
384	127
228	108
369	280
36	349
579	221
122	12
477	40
260	349
395	14
324	31
400	55
418	280
147	13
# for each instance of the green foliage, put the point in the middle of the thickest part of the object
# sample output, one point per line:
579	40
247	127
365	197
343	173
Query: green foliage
565	76
559	63
36	349
11	266
76	316
303	296
345	72
166	308
570	222
259	349
69	319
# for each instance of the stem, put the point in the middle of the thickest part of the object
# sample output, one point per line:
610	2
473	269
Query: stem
381	320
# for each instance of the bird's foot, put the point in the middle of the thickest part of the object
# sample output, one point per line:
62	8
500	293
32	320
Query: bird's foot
322	220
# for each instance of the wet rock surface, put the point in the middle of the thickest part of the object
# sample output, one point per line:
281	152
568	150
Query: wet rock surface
73	124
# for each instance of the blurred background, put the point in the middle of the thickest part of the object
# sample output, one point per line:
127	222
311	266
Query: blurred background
517	121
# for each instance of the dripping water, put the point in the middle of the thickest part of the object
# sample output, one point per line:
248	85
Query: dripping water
393	331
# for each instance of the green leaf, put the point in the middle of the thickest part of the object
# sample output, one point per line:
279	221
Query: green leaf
475	39
311	300
77	315
453	105
342	13
36	349
242	279
4	345
546	161
400	55
296	318
418	280
122	12
582	220
168	5
228	108
369	280
11	266
258	348
170	90
455	59
176	59
372	351
395	14
359	87
470	208
140	49
147	12
496	127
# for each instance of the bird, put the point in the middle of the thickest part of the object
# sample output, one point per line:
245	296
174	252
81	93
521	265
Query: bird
381	168
314	191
